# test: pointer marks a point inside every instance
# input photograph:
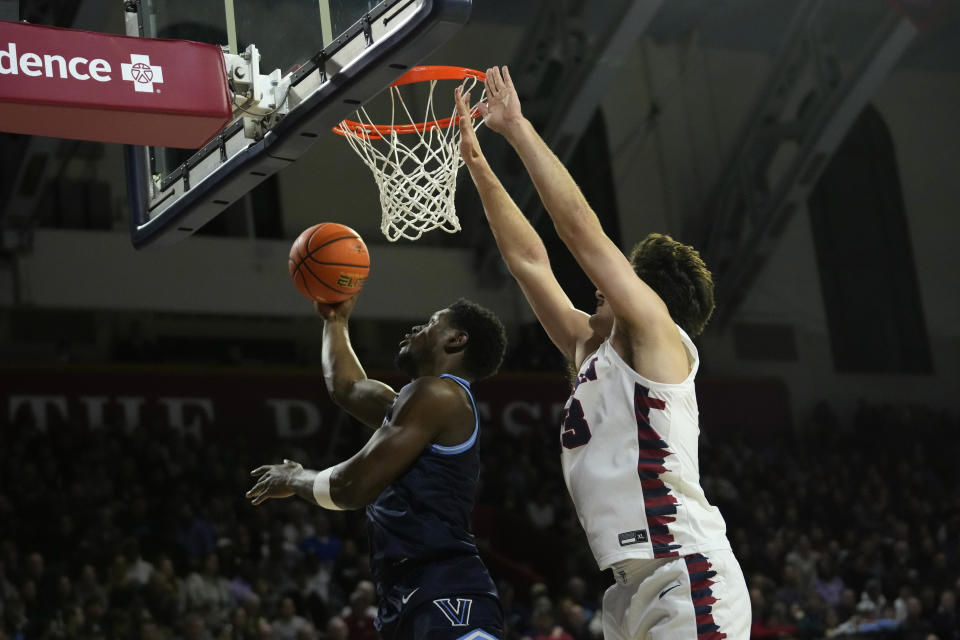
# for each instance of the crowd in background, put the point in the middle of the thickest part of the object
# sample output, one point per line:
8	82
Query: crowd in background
841	530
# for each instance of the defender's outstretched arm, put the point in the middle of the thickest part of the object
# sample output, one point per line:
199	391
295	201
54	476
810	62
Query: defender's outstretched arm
521	247
576	223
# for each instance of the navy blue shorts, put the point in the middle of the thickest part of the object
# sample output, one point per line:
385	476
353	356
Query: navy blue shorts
468	617
452	599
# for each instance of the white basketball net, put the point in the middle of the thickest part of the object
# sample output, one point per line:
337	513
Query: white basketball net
417	181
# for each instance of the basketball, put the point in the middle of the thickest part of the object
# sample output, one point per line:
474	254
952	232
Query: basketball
329	262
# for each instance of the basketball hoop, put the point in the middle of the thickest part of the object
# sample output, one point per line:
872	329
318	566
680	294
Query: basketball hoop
414	163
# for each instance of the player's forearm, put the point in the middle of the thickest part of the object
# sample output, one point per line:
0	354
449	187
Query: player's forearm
341	367
560	194
516	239
302	484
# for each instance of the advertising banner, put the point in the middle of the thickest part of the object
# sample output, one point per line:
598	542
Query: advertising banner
68	83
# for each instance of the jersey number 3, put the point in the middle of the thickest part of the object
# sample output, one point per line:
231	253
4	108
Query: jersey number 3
576	431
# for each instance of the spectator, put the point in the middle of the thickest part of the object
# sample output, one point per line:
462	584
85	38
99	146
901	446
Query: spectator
350	567
790	591
207	592
774	623
359	618
540	510
516	616
545	626
574	619
89	585
195	629
827	583
195	536
322	543
93	590
290	625
337	629
945	622
872	596
914	625
138	569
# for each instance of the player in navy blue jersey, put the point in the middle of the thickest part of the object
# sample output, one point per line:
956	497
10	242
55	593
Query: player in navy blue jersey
416	476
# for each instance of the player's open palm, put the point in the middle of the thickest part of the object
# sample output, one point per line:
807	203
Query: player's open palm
501	111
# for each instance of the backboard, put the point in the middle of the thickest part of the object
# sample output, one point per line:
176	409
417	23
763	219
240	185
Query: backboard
319	60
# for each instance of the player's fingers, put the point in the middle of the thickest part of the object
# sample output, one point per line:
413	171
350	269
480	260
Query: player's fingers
259	487
259	471
467	136
497	79
465	123
490	83
462	101
507	80
483	109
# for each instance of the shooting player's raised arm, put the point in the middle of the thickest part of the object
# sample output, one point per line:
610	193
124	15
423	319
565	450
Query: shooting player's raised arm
347	383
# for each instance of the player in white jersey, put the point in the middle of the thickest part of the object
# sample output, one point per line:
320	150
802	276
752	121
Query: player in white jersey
630	429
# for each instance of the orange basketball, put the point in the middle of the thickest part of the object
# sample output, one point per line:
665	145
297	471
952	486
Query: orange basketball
329	262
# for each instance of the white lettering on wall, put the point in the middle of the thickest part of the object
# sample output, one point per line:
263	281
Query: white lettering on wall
93	407
38	408
177	412
131	411
284	412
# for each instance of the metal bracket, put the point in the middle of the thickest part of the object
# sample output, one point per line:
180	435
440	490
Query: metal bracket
261	100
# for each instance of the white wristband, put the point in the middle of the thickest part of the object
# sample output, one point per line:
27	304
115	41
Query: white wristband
321	490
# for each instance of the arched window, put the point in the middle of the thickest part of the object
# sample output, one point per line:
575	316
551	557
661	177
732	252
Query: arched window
865	257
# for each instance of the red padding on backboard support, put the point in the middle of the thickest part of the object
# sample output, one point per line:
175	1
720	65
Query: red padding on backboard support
67	83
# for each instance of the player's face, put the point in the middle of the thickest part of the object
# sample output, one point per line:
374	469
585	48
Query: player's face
602	319
422	341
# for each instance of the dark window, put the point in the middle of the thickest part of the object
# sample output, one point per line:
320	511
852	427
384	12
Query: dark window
865	257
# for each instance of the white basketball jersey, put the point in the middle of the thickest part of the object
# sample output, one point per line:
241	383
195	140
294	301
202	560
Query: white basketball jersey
631	464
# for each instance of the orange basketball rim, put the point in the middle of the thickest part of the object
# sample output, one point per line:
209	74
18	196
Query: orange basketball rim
416	74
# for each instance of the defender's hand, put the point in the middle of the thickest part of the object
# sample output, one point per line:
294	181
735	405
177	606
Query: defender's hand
501	112
336	311
469	145
276	481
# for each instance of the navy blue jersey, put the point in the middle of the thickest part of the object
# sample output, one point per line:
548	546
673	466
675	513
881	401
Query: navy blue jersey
425	513
430	578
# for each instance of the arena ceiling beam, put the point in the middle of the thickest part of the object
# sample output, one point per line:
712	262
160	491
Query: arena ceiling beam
809	102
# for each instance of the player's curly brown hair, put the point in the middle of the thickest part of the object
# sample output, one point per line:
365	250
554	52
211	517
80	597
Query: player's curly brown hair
679	276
